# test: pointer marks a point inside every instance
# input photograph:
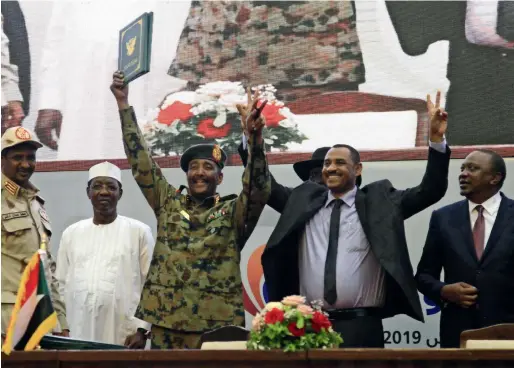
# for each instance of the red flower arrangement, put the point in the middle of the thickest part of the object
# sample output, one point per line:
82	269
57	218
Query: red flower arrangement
209	114
292	325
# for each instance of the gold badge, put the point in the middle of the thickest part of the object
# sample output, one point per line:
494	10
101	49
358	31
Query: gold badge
131	45
185	215
22	133
216	153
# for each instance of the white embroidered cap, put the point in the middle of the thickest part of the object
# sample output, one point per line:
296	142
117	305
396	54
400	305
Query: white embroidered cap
105	169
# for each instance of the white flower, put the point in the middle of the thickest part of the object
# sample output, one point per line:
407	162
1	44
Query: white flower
268	141
152	114
204	106
221	88
186	97
272	305
231	100
221	118
286	123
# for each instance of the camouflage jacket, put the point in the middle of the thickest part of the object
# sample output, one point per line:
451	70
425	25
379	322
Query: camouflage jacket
285	43
194	281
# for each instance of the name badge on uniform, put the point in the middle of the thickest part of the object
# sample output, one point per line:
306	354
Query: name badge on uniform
13	215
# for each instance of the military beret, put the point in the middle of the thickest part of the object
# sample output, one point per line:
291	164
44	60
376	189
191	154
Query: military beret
206	151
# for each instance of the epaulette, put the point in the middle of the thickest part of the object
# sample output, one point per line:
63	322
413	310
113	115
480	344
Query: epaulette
40	199
11	187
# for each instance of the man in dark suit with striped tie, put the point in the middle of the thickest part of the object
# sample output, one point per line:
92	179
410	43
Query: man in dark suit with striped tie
473	242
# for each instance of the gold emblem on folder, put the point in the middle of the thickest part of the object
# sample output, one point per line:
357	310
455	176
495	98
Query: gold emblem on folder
131	45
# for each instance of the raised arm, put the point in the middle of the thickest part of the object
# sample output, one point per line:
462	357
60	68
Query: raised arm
146	172
279	193
256	178
434	184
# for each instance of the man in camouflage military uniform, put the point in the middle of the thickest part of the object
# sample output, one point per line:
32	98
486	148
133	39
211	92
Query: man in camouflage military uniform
194	282
301	47
24	221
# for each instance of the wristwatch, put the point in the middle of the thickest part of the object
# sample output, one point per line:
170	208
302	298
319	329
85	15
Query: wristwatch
145	333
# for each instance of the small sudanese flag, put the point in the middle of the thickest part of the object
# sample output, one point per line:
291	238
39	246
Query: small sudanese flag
33	315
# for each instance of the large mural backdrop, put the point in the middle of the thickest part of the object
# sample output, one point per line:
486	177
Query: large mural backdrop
354	72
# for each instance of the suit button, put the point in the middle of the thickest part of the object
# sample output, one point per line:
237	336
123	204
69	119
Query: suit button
478	272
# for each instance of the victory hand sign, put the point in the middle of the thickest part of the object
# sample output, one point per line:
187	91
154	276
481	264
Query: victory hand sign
438	119
252	122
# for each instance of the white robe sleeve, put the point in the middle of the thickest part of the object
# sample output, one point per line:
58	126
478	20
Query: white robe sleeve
50	68
63	263
146	247
10	89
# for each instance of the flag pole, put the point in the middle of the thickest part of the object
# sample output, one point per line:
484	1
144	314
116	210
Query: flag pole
43	256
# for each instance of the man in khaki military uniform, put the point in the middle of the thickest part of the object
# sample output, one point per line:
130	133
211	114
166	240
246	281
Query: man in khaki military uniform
24	220
194	282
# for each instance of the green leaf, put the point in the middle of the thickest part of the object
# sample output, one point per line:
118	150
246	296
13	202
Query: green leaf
300	323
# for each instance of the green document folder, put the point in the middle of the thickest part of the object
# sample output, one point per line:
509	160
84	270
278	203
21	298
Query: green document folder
135	47
49	342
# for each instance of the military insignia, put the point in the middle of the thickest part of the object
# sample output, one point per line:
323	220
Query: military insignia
43	215
22	133
131	46
11	187
216	153
13	215
217	214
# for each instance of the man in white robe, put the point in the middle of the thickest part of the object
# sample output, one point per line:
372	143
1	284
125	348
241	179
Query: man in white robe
102	265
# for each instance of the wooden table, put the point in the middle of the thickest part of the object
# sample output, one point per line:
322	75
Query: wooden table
366	358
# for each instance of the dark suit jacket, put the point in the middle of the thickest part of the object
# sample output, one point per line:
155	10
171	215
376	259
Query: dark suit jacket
481	77
382	210
449	247
16	31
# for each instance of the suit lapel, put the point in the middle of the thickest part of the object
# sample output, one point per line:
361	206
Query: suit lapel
311	209
504	217
296	217
461	222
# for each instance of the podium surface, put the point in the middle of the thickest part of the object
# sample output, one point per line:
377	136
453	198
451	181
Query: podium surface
368	358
